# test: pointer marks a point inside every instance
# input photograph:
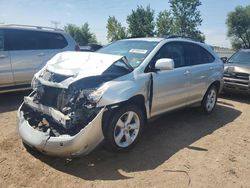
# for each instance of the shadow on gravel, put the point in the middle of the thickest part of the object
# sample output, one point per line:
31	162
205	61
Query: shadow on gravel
11	101
238	97
162	138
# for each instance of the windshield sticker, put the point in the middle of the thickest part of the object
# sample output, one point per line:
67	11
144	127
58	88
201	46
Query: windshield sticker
138	51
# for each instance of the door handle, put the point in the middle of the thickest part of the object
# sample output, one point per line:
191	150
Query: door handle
2	56
41	54
187	72
211	68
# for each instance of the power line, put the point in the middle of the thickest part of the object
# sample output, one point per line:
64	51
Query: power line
55	23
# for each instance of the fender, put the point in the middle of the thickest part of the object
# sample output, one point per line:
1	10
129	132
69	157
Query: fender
124	88
216	76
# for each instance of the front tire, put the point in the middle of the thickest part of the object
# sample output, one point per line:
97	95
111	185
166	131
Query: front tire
209	100
124	128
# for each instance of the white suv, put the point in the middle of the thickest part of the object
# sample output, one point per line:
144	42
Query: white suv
25	49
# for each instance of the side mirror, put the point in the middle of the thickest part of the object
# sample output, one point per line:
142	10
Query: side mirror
224	59
164	64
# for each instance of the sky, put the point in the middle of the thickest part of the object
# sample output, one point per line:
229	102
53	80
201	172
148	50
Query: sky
96	13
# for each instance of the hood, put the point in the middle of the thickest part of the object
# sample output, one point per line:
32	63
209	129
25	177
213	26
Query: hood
81	63
234	67
67	68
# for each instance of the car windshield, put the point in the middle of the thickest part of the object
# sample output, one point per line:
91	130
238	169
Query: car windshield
134	50
241	57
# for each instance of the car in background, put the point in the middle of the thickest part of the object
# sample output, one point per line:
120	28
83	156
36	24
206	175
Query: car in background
24	50
90	48
81	100
237	72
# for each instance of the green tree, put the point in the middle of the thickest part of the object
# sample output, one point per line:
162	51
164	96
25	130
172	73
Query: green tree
141	22
186	18
164	23
115	30
82	34
238	23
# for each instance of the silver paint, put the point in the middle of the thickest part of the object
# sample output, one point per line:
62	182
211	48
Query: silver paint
171	89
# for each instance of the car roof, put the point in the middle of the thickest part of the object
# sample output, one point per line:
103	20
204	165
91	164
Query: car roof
31	28
159	39
148	39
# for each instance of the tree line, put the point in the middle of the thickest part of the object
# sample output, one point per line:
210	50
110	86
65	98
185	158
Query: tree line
182	19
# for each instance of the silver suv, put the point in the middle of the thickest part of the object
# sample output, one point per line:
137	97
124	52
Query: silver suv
25	49
83	99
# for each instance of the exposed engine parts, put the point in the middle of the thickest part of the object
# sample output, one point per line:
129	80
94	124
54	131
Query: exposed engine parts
72	108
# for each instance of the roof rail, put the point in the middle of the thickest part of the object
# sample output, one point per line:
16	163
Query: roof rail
184	37
31	26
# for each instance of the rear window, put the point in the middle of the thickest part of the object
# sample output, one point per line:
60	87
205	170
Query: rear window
33	40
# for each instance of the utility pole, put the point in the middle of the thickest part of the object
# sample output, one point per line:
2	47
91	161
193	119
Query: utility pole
55	23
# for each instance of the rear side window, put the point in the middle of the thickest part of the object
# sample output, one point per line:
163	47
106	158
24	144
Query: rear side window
33	40
53	40
1	41
196	55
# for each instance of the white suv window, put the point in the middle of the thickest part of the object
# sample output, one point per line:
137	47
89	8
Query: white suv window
34	40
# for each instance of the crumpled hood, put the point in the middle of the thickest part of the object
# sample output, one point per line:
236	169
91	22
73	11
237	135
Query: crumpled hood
76	66
81	63
234	67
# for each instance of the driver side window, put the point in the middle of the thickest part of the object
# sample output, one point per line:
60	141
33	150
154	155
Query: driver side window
173	50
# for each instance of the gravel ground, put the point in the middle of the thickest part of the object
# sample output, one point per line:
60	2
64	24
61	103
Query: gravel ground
180	149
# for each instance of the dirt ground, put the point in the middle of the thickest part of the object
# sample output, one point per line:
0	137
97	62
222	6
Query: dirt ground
180	149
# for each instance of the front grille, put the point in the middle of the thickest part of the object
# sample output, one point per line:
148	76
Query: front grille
237	75
236	78
48	95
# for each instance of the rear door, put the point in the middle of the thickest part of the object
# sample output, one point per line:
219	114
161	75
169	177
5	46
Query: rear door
28	53
6	75
201	64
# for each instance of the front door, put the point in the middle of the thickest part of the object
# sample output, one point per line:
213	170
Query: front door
170	86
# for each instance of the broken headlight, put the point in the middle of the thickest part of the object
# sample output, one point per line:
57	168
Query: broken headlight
35	83
96	95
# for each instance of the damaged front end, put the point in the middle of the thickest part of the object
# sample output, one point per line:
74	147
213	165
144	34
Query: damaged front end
63	115
60	122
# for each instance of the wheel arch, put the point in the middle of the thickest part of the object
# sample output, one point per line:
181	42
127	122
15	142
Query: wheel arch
138	100
215	83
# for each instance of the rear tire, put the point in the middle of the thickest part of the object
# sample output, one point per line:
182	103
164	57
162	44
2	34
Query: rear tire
123	129
210	99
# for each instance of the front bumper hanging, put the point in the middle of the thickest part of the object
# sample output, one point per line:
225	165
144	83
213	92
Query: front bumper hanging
64	145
